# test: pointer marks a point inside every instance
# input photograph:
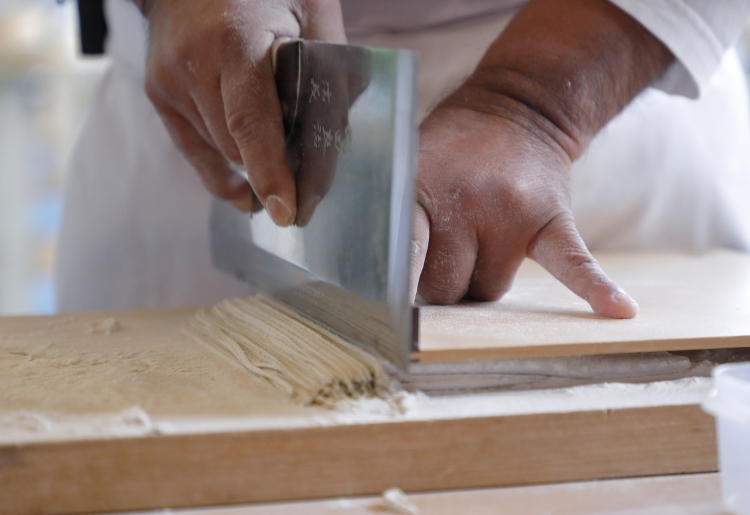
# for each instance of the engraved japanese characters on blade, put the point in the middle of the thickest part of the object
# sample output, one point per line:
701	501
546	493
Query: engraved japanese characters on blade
323	136
316	91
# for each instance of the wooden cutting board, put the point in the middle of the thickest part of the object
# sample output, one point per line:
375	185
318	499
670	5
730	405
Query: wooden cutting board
685	494
119	411
686	301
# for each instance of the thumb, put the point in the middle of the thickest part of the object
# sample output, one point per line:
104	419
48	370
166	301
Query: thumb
559	248
253	118
419	243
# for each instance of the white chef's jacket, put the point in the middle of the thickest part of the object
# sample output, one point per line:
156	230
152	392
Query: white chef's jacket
669	172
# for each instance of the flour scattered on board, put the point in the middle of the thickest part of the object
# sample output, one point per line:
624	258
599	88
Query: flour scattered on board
105	326
134	417
395	501
24	420
396	404
132	421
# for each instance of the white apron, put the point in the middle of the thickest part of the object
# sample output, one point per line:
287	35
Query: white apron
668	173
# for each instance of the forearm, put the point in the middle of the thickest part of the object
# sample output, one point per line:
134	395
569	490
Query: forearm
572	64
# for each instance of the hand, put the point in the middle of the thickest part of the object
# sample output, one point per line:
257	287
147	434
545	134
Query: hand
494	159
492	189
210	78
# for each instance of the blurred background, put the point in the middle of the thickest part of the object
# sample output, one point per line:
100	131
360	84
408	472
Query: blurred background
46	87
45	90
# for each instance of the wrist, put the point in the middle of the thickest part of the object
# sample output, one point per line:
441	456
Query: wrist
575	63
527	104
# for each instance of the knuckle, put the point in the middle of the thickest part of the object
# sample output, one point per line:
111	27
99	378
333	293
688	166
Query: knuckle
581	263
244	125
523	196
199	45
228	35
440	294
424	197
442	286
571	241
223	36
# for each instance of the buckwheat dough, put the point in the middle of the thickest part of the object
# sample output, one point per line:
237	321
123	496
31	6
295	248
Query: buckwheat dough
288	353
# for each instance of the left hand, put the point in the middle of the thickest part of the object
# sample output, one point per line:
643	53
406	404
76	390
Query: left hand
492	189
493	180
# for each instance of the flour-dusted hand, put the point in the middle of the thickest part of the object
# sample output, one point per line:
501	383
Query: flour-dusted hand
209	75
493	189
495	157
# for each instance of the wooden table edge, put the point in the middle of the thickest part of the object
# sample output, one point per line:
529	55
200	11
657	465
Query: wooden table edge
138	473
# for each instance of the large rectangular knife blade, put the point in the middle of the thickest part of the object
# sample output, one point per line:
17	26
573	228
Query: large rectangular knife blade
350	124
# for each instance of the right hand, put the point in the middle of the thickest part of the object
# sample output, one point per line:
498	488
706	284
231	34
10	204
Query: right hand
210	78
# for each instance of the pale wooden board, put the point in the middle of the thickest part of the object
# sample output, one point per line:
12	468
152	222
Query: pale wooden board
99	475
686	302
694	494
277	451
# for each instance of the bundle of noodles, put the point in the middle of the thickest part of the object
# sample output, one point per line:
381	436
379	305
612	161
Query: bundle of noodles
288	353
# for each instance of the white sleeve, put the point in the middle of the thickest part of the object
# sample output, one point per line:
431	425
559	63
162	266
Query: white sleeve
698	32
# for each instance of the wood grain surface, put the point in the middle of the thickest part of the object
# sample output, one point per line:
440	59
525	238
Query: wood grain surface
62	378
262	466
686	302
691	494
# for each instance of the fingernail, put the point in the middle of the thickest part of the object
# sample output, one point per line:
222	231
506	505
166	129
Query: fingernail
628	307
624	297
244	204
627	300
280	213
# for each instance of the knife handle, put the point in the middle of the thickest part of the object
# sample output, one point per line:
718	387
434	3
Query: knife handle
317	83
286	61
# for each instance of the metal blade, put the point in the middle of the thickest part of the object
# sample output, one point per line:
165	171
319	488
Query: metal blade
350	124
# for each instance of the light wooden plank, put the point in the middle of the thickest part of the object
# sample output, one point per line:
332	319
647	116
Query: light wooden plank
687	302
693	494
262	466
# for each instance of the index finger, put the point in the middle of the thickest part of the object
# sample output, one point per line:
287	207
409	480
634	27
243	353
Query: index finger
559	248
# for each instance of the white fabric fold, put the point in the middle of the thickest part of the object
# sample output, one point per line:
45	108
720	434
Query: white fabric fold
697	32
